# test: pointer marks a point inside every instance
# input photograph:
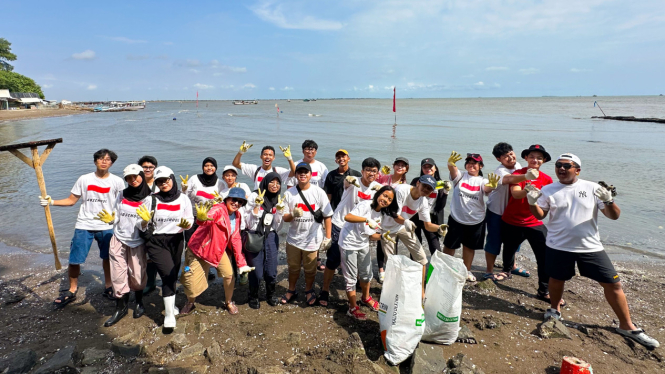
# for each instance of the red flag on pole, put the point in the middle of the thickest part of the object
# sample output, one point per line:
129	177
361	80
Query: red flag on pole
394	91
197	99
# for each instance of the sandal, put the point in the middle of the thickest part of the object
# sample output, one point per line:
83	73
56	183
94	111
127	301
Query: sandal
323	298
288	300
187	308
521	272
232	308
546	298
499	277
311	299
371	303
65	298
108	293
356	314
320	266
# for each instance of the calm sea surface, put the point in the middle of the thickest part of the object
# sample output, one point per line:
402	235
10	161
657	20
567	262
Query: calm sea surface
628	155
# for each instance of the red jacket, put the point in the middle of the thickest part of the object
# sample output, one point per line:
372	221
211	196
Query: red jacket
213	237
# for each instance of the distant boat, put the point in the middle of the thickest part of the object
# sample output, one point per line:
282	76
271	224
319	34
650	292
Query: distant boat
289	100
306	100
313	100
245	102
595	95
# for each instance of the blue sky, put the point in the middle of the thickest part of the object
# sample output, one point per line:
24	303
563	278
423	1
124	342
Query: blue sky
146	50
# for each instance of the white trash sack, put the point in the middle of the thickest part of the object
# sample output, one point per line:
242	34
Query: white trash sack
446	276
401	316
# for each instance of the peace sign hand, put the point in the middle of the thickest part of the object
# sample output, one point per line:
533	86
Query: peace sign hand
184	182
259	198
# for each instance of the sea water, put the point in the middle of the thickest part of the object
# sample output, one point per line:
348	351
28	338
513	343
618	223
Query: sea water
629	155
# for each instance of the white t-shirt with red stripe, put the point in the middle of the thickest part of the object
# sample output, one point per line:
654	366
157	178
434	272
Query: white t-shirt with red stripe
128	223
355	236
319	174
350	198
408	207
468	206
252	220
199	193
168	215
304	232
250	169
96	195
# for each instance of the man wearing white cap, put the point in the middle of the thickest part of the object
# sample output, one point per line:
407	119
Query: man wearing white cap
573	238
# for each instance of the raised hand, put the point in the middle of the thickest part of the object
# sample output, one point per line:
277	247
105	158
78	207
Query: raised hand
297	212
202	210
259	198
446	185
245	269
493	181
532	194
352	180
454	157
46	200
385	170
144	213
245	147
605	192
287	152
386	237
532	174
184	224
184	182
443	230
106	217
280	204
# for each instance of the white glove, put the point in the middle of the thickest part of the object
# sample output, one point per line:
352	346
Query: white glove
372	223
325	244
245	269
409	226
46	200
352	180
532	174
443	230
532	194
603	194
376	187
297	212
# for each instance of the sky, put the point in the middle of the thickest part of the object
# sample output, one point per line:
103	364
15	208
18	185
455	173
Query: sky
169	50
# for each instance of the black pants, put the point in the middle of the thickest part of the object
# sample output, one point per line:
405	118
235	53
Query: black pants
165	251
265	261
433	238
380	256
190	232
512	236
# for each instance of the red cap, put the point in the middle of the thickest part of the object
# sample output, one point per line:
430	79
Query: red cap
474	156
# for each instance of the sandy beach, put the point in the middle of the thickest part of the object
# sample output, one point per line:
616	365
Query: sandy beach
14	115
503	319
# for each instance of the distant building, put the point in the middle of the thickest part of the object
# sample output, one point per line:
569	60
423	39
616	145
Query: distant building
4	99
27	100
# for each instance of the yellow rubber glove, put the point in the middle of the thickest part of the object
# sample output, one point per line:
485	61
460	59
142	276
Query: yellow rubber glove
217	198
144	213
352	180
184	182
287	152
280	204
385	170
446	185
202	210
184	224
245	147
443	230
493	181
105	217
386	236
454	157
259	198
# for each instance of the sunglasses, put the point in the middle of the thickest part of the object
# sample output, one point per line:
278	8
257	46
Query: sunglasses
236	200
472	155
162	181
562	165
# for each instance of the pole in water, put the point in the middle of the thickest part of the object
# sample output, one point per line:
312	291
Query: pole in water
601	109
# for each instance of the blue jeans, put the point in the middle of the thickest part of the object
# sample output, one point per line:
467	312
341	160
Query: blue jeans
493	241
82	241
264	262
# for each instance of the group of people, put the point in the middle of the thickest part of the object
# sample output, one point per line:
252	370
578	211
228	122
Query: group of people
145	228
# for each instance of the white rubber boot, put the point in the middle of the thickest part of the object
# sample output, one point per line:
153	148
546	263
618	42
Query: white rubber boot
170	311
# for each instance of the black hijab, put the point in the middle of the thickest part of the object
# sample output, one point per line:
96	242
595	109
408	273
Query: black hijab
137	193
269	199
205	179
170	195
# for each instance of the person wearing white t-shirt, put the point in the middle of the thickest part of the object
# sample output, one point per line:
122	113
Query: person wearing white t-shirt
257	173
305	237
230	177
201	188
99	191
355	191
149	163
319	170
467	213
572	205
361	225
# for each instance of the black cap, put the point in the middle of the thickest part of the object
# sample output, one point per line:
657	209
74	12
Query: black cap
303	165
403	159
538	148
427	161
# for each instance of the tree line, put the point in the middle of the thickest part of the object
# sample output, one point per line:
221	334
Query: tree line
10	80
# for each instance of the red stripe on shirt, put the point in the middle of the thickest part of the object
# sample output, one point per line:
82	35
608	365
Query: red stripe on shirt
408	210
92	187
172	208
471	188
364	196
205	194
304	207
135	204
315	173
259	179
274	210
433	195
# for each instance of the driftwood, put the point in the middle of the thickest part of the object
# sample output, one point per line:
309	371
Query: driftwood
631	119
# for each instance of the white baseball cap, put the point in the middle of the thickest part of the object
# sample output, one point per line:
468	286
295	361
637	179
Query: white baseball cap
131	169
229	167
163	172
571	157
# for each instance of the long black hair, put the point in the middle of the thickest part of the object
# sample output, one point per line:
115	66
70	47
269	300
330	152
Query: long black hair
391	210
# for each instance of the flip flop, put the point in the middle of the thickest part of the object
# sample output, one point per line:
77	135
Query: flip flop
323	298
521	272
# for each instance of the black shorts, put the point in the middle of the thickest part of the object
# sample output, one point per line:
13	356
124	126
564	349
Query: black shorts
593	265
471	236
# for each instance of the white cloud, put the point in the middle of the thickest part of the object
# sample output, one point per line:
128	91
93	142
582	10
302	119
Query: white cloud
496	68
479	84
137	57
201	86
287	88
249	85
576	70
233	69
47	85
88	54
92	87
272	88
275	15
125	40
529	71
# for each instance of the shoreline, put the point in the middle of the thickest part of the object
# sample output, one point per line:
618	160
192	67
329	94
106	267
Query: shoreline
24	114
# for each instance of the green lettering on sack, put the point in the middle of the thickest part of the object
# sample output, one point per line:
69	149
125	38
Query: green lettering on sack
446	319
419	322
430	269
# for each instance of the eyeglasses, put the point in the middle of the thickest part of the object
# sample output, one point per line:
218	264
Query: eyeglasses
105	160
148	168
309	149
163	181
370	171
562	165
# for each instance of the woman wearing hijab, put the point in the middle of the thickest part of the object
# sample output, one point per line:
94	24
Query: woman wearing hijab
264	217
202	187
436	200
127	253
170	217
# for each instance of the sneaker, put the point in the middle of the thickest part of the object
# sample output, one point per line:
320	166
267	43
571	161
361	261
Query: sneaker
641	337
552	313
356	314
382	276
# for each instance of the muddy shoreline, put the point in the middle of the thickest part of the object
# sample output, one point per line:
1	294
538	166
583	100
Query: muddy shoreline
16	115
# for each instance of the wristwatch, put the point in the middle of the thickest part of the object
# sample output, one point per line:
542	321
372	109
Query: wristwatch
609	202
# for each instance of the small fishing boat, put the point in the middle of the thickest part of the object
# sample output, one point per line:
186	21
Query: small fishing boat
245	102
306	100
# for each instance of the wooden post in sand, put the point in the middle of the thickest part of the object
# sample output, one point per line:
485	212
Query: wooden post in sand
36	163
